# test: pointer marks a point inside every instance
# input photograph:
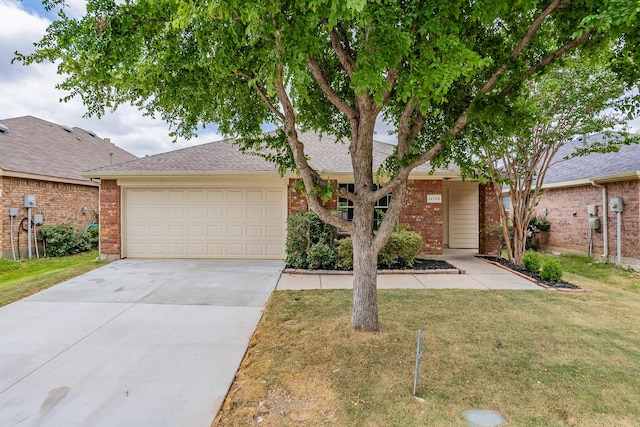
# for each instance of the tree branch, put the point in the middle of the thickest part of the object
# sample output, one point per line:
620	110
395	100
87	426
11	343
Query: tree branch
347	62
264	97
332	96
531	31
550	58
310	176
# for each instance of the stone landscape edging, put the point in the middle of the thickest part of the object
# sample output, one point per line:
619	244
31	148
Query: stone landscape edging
531	279
350	272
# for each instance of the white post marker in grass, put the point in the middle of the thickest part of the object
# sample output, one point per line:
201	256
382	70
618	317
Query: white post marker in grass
418	357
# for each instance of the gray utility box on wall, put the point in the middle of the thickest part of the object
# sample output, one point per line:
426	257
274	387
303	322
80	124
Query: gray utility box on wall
594	223
592	210
615	204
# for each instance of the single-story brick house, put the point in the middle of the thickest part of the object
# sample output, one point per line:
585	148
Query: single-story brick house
212	201
46	160
580	189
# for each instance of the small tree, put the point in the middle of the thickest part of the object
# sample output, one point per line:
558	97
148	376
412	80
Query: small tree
521	143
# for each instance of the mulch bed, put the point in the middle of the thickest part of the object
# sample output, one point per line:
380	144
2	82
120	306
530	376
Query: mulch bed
560	285
420	265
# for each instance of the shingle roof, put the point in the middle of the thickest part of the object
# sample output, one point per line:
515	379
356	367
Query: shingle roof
592	165
35	146
325	153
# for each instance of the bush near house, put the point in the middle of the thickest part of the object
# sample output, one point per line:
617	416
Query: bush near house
63	239
532	261
312	244
551	270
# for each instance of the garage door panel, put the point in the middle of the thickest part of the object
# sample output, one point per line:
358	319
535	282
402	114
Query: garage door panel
235	196
176	231
210	223
274	196
234	213
254	232
215	195
215	213
255	196
214	231
235	249
174	196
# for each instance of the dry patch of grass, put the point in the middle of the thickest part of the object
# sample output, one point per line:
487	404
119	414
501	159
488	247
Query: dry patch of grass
541	358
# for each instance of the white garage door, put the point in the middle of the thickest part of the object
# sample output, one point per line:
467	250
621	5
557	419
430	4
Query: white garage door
204	223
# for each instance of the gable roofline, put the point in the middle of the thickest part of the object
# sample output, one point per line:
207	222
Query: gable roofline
326	155
54	152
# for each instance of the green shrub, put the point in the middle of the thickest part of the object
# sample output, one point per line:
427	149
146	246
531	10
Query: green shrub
344	253
321	255
402	247
532	261
310	242
63	240
551	270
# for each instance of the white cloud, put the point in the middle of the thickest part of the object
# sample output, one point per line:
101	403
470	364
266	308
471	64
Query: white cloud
31	90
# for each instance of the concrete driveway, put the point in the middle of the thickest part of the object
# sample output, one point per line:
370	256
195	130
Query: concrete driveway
137	342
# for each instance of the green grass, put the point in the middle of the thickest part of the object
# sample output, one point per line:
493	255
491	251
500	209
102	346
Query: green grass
541	358
19	279
605	272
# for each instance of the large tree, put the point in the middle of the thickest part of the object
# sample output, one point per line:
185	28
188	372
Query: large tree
336	67
517	147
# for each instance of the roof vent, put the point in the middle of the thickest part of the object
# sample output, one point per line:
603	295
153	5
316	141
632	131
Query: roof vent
67	128
92	133
3	128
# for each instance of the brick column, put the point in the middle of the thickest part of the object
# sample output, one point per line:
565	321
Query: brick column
489	241
426	219
110	210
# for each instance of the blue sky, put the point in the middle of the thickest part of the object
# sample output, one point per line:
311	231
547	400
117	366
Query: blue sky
31	90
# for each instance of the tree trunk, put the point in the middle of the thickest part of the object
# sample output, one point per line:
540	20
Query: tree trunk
364	316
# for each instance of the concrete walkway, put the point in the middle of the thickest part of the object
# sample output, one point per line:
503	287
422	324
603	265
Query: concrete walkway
134	343
478	274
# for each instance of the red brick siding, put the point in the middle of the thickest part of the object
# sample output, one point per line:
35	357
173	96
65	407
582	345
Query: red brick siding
297	202
489	242
60	203
110	208
424	218
572	232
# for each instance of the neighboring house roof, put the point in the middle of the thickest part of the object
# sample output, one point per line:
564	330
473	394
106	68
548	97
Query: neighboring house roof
37	148
326	155
595	166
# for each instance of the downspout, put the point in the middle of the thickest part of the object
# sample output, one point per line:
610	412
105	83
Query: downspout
605	222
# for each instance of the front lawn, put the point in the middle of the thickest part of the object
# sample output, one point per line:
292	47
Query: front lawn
19	279
541	358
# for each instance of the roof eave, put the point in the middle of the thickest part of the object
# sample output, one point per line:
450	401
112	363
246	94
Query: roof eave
159	174
38	177
602	179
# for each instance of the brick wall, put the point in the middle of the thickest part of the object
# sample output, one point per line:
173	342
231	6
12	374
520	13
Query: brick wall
424	218
569	231
489	242
297	202
60	203
110	208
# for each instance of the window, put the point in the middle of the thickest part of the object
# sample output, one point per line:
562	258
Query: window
345	207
